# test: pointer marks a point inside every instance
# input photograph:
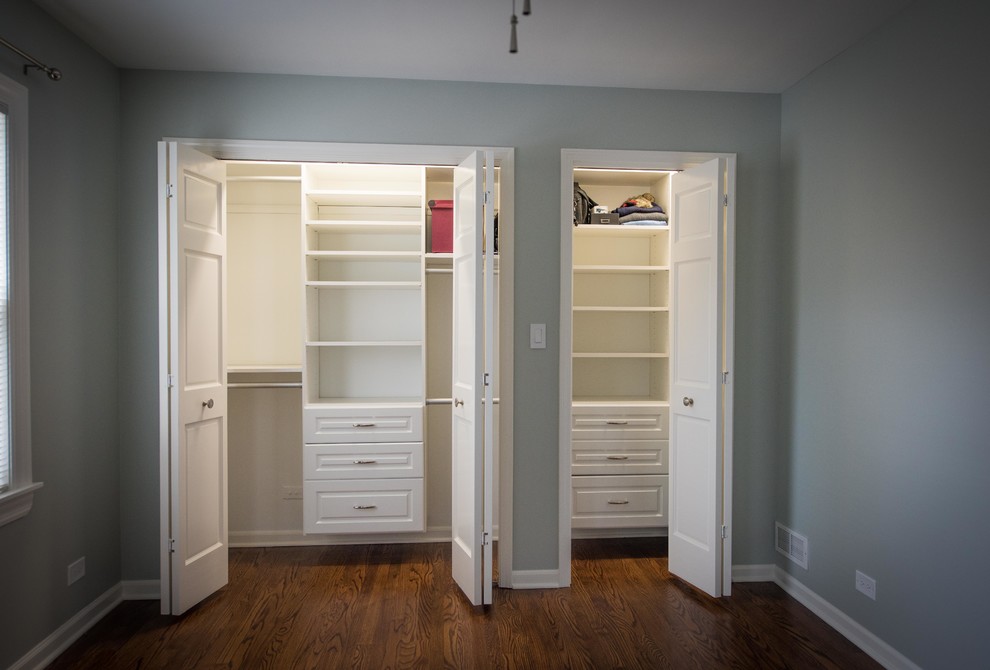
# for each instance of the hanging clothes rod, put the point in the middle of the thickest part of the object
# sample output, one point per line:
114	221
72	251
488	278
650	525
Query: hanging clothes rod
264	385
53	72
450	401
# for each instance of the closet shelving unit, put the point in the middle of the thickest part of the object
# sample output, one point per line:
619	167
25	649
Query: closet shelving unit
364	359
620	362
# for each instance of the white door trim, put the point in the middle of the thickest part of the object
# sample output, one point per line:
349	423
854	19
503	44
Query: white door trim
412	154
645	160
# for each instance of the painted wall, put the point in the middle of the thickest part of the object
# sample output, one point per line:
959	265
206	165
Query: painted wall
884	164
538	121
73	283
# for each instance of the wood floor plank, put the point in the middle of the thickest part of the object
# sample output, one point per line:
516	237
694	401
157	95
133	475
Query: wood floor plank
397	607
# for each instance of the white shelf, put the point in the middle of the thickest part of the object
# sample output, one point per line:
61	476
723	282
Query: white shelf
620	269
364	343
631	230
364	227
377	402
344	284
364	255
618	309
634	354
617	402
362	198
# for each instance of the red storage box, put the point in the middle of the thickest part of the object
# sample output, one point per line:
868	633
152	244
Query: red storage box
442	226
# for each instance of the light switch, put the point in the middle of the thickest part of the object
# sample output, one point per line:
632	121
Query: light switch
537	336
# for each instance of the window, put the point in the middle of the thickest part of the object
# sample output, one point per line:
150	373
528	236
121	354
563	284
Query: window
16	485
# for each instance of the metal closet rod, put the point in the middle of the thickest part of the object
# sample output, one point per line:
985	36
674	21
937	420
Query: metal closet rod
53	72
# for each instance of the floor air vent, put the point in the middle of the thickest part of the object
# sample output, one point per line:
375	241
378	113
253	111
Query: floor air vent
792	545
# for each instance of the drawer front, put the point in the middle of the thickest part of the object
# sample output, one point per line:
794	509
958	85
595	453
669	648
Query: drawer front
363	506
590	422
363	460
631	501
362	424
619	457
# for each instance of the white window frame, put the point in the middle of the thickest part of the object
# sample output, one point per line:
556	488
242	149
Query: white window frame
17	499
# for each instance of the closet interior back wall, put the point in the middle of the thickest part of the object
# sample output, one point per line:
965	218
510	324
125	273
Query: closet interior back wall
264	319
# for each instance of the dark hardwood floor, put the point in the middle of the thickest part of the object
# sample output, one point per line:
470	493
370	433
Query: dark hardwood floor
396	606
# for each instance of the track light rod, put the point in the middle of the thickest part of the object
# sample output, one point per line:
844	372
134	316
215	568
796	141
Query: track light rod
513	42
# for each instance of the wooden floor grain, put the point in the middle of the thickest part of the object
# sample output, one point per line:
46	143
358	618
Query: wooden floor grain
395	606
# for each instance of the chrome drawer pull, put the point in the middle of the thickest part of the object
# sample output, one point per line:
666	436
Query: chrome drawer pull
617	423
365	462
363	425
618	502
617	458
366	507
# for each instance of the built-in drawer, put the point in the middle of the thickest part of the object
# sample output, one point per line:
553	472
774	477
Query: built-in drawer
628	501
362	423
363	505
619	457
368	460
619	422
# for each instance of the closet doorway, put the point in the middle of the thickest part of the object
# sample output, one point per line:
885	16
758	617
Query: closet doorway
210	185
646	355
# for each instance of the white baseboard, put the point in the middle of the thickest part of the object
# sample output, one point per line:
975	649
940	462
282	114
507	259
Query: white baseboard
753	573
48	649
296	538
606	533
145	589
535	579
879	650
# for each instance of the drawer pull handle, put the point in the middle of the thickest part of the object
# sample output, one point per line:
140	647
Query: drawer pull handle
617	458
363	425
366	507
370	462
617	423
618	502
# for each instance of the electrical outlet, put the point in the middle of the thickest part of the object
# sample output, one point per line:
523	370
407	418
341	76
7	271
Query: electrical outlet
292	493
866	585
77	570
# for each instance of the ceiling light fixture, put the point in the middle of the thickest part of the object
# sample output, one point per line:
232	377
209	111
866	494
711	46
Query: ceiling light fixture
513	42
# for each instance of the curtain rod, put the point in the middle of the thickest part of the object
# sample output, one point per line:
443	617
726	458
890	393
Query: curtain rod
53	72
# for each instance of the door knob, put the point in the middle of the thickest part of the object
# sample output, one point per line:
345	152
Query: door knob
458	402
688	402
208	403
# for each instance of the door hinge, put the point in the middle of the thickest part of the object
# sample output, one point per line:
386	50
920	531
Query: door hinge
171	546
485	539
725	376
725	532
169	190
725	199
170	380
487	378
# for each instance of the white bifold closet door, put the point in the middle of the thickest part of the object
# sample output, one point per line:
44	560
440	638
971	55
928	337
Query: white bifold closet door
194	494
472	459
696	454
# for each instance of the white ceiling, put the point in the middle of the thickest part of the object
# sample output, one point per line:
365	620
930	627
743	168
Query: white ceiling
717	45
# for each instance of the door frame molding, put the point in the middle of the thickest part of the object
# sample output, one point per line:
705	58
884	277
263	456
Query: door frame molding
643	160
410	154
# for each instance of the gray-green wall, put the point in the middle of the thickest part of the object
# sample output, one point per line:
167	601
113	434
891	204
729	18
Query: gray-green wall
539	121
885	459
861	304
73	139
